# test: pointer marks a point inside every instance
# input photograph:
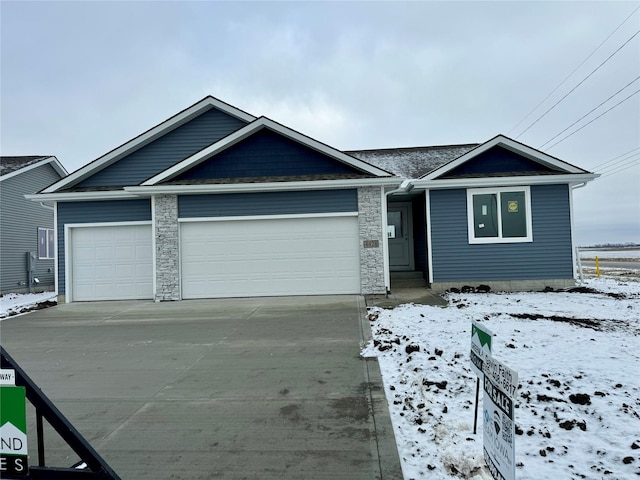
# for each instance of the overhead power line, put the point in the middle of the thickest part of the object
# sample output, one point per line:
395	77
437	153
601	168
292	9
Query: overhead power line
634	164
574	70
590	112
615	158
593	120
580	83
615	166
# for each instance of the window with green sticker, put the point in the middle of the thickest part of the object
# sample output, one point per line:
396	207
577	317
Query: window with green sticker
499	215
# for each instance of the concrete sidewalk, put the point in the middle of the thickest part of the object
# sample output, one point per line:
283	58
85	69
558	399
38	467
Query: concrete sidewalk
261	388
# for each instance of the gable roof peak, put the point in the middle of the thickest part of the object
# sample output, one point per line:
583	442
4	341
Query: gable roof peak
519	148
11	166
180	118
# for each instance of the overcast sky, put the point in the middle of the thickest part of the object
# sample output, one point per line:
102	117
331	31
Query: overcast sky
80	78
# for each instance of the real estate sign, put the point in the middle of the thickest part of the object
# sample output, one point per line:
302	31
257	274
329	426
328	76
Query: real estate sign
481	338
500	385
13	429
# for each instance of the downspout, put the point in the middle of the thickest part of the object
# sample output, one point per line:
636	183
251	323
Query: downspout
577	264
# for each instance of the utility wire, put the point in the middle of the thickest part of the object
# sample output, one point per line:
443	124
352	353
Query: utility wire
574	71
596	118
613	165
589	113
581	82
621	170
617	165
615	158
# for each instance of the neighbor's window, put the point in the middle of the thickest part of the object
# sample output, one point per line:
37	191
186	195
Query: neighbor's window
45	243
499	215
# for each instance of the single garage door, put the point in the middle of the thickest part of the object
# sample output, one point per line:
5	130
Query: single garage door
111	263
293	256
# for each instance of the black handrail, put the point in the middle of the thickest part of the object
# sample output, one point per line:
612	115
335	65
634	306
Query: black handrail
97	468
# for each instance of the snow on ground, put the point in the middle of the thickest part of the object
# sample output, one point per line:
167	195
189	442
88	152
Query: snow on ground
15	303
561	345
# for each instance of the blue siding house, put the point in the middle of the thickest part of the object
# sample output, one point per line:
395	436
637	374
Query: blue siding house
214	202
26	228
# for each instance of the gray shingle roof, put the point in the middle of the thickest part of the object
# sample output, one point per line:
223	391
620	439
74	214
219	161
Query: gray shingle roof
12	164
413	162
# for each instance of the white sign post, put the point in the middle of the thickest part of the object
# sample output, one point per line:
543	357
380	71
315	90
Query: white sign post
500	386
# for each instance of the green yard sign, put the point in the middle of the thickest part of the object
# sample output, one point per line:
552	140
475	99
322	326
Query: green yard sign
13	431
481	338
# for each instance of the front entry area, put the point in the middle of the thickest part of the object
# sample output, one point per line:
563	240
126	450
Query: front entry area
400	236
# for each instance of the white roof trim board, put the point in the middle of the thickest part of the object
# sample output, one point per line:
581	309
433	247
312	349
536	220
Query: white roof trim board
571	178
265	186
55	164
146	137
248	130
73	196
147	191
510	144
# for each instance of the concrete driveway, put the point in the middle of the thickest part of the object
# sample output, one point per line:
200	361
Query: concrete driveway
262	388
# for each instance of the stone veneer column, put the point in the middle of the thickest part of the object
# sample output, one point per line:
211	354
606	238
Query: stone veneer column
371	249
167	249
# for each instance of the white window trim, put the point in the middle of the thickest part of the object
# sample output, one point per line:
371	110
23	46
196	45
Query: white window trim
48	255
499	239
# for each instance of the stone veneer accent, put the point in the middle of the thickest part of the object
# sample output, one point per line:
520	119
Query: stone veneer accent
167	247
370	229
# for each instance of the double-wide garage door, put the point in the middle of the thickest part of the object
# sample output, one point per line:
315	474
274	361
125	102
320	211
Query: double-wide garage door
111	263
264	257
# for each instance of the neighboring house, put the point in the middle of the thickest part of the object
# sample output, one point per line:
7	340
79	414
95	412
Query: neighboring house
26	228
215	202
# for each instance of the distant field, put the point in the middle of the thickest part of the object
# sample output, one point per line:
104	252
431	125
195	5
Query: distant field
610	253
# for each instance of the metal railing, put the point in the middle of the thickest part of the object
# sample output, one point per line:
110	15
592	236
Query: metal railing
96	467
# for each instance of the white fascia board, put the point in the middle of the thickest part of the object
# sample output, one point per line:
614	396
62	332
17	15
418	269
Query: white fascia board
510	144
80	196
261	187
424	183
248	130
55	164
173	122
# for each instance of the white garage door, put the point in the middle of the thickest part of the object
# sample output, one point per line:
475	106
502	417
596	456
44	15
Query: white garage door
111	263
294	256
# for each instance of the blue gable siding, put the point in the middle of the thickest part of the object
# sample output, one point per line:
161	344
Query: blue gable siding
549	256
266	154
268	203
166	151
495	161
96	212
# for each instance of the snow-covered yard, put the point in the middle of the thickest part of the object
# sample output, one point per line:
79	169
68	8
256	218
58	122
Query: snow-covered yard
15	303
561	344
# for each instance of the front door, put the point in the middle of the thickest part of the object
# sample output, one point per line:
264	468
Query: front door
400	235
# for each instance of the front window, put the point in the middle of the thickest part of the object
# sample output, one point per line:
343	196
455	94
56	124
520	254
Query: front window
499	215
45	243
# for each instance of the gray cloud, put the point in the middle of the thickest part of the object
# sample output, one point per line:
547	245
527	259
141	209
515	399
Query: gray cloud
80	78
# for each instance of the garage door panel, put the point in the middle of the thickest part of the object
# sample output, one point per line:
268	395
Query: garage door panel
303	256
111	263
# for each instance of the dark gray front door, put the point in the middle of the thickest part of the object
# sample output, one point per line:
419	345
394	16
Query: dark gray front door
400	235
